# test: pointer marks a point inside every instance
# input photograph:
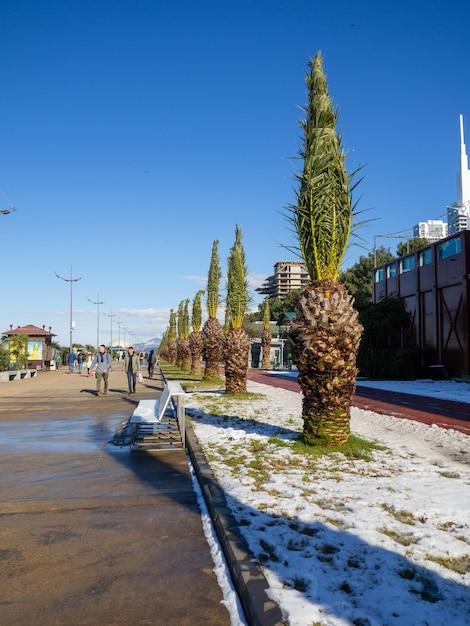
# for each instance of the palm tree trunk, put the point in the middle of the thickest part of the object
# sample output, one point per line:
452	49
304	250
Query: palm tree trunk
213	337
325	336
172	351
266	337
195	345
236	360
185	353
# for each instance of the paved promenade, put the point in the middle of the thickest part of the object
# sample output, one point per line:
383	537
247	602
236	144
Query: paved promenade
89	533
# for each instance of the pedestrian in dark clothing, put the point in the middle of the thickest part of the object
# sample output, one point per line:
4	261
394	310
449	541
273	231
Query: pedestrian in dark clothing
152	359
102	361
80	360
71	361
131	367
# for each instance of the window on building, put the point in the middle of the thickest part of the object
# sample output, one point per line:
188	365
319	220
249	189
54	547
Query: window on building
425	257
379	275
407	264
449	248
391	270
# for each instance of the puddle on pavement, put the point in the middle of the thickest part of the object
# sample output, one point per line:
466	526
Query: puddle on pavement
73	435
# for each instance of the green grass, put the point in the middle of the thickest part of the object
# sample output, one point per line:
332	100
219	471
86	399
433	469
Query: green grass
405	517
269	550
404	540
449	474
460	565
280	443
189	381
300	584
356	448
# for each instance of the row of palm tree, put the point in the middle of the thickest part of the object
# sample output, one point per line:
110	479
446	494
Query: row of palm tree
231	344
325	332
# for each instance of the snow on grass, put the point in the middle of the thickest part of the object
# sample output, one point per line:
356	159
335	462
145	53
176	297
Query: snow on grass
380	538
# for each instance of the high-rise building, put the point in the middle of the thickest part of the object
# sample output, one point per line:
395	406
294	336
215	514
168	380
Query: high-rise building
288	275
458	213
432	230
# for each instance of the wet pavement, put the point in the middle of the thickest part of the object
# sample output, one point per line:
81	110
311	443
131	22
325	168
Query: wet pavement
89	533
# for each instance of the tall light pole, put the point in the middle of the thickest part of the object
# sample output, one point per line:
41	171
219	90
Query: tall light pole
69	280
97	319
119	331
111	315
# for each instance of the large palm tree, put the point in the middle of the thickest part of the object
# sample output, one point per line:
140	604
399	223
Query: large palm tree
212	331
237	345
266	336
195	337
325	332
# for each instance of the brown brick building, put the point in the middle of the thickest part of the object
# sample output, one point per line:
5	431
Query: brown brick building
434	282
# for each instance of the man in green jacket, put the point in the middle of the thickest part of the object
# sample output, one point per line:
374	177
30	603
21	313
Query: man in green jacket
131	367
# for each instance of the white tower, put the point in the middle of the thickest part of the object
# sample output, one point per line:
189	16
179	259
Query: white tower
463	176
458	214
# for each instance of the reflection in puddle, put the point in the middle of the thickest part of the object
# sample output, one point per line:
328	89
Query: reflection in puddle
82	434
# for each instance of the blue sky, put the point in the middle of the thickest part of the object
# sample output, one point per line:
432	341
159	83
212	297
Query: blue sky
134	133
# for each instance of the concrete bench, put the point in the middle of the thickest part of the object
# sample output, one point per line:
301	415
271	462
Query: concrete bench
6	377
147	417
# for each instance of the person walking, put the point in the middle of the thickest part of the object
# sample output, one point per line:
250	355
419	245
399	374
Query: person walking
102	361
57	361
89	360
152	359
71	361
131	367
80	359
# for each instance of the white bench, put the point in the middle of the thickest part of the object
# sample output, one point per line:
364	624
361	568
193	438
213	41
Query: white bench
151	411
148	414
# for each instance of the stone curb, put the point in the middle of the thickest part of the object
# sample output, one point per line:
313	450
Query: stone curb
247	576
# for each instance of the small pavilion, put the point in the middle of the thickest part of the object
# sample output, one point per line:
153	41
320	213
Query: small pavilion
39	346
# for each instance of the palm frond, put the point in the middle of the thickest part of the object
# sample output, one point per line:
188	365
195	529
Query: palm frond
237	282
213	282
172	327
323	214
266	314
196	317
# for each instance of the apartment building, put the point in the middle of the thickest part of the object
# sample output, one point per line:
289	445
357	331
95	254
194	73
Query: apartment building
288	276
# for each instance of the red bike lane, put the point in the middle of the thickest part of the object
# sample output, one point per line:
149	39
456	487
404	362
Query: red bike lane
443	413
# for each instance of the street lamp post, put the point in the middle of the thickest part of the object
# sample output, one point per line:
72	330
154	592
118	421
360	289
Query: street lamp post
111	315
97	319
69	280
119	323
